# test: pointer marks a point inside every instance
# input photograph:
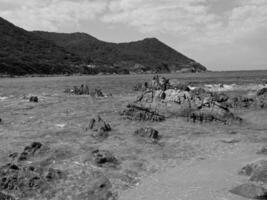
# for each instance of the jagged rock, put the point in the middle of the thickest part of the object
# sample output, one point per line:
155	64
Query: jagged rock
6	197
148	132
250	190
256	170
213	112
138	113
100	127
33	99
104	158
262	91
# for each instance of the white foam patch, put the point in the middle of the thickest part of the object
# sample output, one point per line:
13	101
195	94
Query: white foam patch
3	98
61	125
233	87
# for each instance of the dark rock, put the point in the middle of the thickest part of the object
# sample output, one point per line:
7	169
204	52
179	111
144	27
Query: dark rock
220	97
6	197
262	91
249	190
138	113
148	132
100	127
103	158
29	151
256	170
34	99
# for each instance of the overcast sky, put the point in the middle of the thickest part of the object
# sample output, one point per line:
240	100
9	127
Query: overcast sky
221	34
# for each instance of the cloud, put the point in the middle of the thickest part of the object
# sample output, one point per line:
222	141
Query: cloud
51	15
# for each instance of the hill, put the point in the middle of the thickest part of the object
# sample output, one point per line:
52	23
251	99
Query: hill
146	55
22	52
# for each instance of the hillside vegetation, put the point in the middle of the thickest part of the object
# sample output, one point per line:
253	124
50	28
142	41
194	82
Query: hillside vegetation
23	52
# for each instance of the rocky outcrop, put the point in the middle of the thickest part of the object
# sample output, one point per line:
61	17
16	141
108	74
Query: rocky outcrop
99	127
139	113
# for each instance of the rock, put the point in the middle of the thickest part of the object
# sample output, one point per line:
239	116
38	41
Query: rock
6	197
103	158
33	99
138	113
262	91
263	150
29	151
250	190
214	112
256	170
100	127
148	132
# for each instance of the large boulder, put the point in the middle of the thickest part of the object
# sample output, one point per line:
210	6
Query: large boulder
250	190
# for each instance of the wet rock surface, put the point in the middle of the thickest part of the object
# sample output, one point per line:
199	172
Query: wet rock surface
263	150
138	113
27	180
250	190
256	170
148	133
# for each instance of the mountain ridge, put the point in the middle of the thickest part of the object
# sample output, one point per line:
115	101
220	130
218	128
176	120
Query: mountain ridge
39	52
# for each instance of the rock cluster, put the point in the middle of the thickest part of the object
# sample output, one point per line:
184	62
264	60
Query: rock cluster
84	90
23	180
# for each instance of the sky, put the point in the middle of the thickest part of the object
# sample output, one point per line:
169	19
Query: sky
220	34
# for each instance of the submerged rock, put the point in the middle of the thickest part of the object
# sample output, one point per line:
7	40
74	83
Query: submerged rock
28	152
250	190
148	132
104	158
138	113
256	170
